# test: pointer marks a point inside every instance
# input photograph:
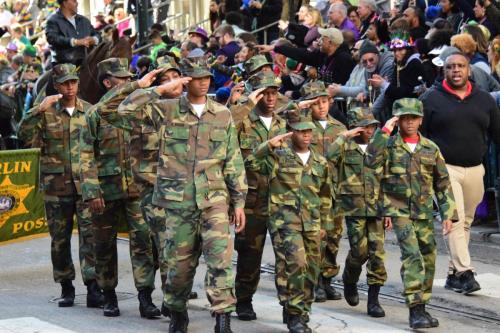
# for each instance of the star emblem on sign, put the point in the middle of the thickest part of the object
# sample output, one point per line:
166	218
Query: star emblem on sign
12	198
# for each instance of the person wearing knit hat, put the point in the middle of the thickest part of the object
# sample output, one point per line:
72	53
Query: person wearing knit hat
300	207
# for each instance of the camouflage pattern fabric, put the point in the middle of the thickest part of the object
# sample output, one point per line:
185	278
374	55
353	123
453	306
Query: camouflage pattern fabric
106	173
418	257
58	134
200	171
358	186
255	63
300	206
190	233
105	231
243	106
250	245
154	217
410	181
366	240
60	212
322	139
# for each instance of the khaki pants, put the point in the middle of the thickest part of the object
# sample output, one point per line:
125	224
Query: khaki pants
468	190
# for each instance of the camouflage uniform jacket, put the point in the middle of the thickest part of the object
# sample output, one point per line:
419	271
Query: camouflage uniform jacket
252	133
105	152
410	180
324	137
200	163
357	187
58	135
300	195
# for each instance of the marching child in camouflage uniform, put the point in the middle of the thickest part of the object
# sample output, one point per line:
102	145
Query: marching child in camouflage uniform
414	172
300	208
324	134
356	198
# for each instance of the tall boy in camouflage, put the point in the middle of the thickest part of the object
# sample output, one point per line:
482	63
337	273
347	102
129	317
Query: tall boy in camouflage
324	134
200	173
261	124
356	198
106	175
300	208
414	172
54	126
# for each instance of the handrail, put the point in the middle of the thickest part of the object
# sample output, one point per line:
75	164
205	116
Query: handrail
265	27
171	18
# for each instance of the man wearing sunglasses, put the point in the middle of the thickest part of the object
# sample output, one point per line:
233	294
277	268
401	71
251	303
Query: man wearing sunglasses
378	67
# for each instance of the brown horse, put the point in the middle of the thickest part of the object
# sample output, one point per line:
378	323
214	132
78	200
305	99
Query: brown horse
90	89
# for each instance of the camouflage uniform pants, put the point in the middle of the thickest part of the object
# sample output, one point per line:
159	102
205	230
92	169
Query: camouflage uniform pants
155	219
250	246
191	232
330	249
60	212
105	231
302	261
366	239
418	256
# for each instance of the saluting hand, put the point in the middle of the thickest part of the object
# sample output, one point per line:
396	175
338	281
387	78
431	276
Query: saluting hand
278	140
148	79
391	123
172	85
256	95
236	92
48	102
352	132
306	104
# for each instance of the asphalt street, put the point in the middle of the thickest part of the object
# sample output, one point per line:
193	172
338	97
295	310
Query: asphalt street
28	293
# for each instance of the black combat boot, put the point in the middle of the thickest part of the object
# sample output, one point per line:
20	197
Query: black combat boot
418	319
223	323
331	293
193	295
67	294
351	294
285	314
319	291
95	298
146	307
110	308
245	311
165	311
468	282
453	283
296	324
178	322
434	321
374	308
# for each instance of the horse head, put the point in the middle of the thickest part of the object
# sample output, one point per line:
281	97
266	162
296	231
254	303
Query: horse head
121	47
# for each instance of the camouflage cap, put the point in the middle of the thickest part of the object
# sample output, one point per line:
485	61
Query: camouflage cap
297	119
64	72
117	67
361	117
195	68
313	89
264	80
167	63
255	63
408	106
